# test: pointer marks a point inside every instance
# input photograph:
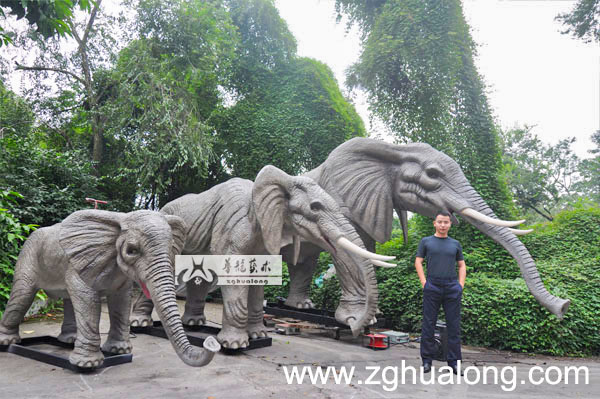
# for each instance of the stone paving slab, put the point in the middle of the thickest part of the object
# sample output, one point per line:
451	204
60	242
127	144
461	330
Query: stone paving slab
156	372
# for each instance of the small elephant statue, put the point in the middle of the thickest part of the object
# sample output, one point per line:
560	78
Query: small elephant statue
95	253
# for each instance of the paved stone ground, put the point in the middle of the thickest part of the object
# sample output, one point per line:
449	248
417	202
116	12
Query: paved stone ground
156	372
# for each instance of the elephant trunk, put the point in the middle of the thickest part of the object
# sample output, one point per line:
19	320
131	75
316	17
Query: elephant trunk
356	274
161	285
518	251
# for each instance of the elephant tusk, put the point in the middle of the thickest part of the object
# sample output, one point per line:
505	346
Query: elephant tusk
518	232
486	219
355	249
296	241
382	264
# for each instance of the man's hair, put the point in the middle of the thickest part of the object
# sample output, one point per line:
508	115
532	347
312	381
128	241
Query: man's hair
442	213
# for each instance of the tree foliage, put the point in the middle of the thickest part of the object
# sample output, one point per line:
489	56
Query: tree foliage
583	21
163	90
49	16
542	177
12	235
293	120
589	169
265	43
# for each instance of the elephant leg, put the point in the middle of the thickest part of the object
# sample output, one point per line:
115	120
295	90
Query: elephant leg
87	307
256	328
193	314
119	305
68	330
141	314
21	297
300	279
233	334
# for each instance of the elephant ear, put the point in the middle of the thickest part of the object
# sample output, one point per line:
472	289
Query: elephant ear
88	238
360	174
270	204
179	232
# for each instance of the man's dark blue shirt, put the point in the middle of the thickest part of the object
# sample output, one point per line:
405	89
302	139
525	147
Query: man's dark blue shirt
441	255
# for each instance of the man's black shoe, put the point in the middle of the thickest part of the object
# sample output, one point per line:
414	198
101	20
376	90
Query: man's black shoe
455	370
426	368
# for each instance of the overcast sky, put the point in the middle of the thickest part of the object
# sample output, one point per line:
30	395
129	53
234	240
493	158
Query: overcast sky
535	75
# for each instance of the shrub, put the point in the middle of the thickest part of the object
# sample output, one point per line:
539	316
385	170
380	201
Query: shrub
12	235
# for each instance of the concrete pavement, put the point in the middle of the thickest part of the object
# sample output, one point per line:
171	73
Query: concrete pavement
156	372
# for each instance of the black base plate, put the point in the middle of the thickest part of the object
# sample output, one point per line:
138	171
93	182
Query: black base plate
318	316
197	334
24	348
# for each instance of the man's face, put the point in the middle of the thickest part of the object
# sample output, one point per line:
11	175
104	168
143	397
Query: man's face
442	224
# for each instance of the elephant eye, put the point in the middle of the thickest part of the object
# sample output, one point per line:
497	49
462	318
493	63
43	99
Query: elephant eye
132	250
316	206
434	171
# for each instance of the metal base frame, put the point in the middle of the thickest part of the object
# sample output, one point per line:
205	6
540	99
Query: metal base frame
25	349
197	334
318	316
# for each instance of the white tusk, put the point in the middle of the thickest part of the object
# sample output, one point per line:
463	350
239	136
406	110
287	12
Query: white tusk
345	243
296	249
382	264
520	232
486	219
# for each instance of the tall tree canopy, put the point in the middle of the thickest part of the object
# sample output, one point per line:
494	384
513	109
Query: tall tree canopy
293	119
174	104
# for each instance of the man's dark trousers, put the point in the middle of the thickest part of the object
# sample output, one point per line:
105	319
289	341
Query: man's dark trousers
448	293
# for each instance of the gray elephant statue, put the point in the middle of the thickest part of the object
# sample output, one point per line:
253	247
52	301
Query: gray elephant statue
240	217
370	178
94	253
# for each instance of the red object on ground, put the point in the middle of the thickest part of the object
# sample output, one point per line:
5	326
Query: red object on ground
378	341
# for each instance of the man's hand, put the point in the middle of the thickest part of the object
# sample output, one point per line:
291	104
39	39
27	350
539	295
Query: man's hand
419	268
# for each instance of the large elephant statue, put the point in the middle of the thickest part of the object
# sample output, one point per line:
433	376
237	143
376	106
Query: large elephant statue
94	253
370	178
240	217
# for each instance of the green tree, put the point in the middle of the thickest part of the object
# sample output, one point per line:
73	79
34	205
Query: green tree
16	117
293	120
543	178
583	21
72	63
590	172
162	92
51	184
12	235
265	43
417	69
49	16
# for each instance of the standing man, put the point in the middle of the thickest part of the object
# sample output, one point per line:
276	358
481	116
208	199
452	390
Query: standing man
443	287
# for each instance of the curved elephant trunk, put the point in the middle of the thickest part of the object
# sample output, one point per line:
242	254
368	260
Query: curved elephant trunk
358	303
162	290
506	238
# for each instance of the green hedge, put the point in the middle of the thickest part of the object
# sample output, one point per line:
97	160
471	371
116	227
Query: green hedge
498	310
12	235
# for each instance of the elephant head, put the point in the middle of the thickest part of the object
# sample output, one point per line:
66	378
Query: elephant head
289	209
142	245
371	178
